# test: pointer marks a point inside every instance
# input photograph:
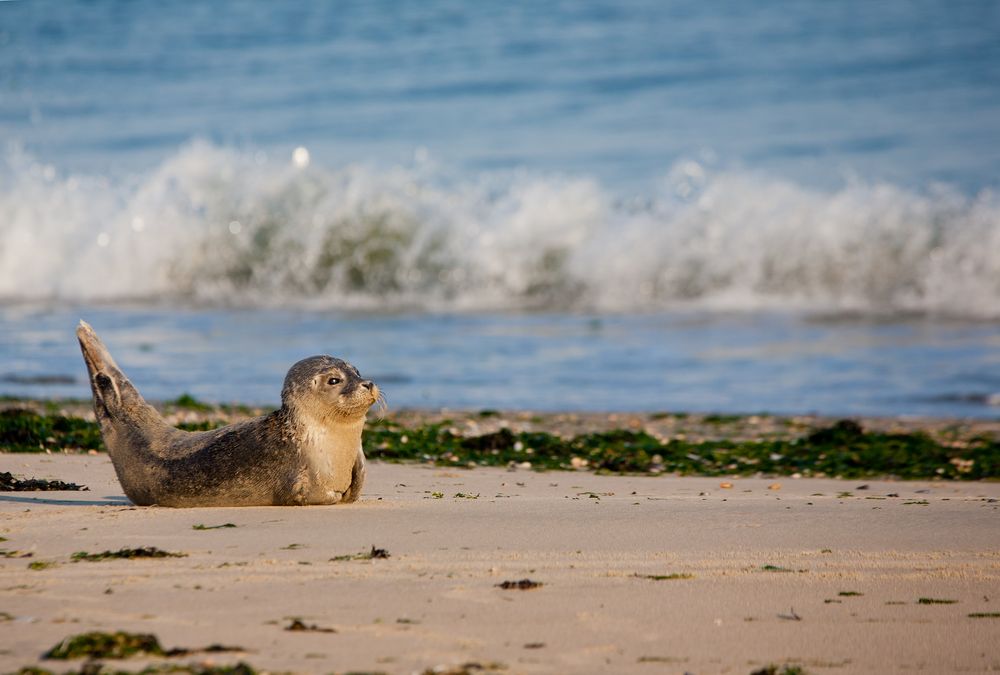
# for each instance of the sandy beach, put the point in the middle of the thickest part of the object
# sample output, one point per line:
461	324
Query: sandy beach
638	574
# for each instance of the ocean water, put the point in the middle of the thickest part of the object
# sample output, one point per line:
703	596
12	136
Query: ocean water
783	206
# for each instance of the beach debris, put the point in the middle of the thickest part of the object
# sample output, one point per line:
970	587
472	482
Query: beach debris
935	601
297	625
126	554
41	565
373	554
664	577
774	486
293	547
780	670
469	668
211	527
791	616
122	645
98	645
522	585
4	553
10	484
463	495
726	485
534	645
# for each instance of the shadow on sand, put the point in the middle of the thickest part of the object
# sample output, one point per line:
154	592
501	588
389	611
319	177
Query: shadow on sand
113	500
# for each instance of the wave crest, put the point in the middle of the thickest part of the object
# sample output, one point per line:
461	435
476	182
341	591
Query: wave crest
213	225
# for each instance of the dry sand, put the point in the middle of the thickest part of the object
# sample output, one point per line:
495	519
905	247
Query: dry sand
588	539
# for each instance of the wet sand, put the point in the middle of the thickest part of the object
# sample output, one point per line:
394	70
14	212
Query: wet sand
765	572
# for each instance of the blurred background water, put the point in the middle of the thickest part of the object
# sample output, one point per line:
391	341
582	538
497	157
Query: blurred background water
784	206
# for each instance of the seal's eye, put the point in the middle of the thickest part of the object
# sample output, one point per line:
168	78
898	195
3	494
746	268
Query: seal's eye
333	380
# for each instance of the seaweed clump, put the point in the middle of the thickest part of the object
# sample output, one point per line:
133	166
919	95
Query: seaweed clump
126	554
522	585
123	645
98	668
10	484
373	554
99	645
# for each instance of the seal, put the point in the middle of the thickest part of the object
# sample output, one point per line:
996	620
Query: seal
306	452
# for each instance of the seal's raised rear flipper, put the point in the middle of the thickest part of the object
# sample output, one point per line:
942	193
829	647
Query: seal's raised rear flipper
115	398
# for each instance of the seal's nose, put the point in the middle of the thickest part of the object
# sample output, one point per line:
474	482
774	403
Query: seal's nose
368	384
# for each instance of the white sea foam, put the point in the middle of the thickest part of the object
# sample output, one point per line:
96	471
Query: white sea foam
213	225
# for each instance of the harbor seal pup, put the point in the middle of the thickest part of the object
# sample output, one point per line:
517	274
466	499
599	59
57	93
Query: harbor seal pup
306	452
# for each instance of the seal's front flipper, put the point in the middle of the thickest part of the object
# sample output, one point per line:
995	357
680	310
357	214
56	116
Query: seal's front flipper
357	480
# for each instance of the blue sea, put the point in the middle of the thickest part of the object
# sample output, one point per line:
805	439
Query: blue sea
636	205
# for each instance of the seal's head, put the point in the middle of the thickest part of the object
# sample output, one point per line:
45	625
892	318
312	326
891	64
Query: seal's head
327	387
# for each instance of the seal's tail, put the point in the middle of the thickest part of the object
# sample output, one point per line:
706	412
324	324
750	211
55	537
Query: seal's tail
115	398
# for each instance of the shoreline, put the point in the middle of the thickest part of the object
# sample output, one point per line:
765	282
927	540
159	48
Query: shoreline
619	443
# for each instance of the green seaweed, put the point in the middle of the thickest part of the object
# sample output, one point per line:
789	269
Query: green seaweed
849	594
774	568
985	615
98	668
666	577
469	668
721	419
123	645
935	601
843	449
24	430
189	402
126	554
99	645
41	565
780	670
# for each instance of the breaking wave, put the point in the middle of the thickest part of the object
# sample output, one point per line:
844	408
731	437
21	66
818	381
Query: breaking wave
213	225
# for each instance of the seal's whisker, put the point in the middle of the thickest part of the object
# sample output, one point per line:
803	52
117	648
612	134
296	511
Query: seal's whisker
381	405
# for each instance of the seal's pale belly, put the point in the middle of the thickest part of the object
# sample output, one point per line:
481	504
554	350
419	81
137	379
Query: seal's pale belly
330	461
